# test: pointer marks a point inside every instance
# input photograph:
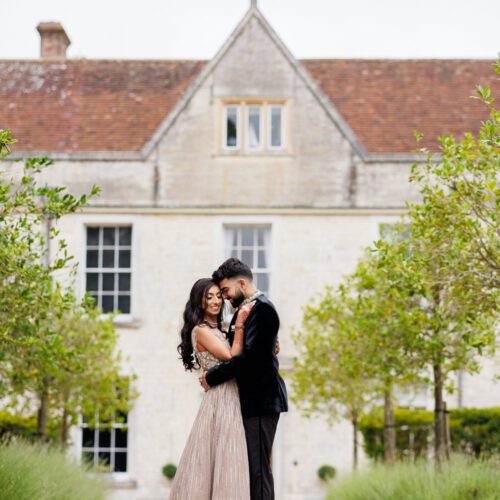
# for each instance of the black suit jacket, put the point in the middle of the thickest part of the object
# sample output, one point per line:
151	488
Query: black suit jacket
262	390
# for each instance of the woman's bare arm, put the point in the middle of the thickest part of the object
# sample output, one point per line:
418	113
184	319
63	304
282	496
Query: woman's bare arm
209	342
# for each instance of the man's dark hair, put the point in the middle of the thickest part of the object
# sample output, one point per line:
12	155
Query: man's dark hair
232	268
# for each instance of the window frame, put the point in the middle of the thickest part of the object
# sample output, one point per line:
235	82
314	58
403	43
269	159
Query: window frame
266	106
130	320
111	449
100	270
255	249
273	222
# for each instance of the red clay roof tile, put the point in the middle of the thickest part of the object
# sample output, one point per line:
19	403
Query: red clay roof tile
111	105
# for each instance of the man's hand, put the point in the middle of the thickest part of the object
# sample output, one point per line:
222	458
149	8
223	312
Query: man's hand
203	382
243	313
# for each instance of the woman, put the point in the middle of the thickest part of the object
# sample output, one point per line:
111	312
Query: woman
214	464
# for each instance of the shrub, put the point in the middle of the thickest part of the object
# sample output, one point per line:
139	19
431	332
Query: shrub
38	471
414	429
169	470
463	479
327	472
476	431
13	425
473	431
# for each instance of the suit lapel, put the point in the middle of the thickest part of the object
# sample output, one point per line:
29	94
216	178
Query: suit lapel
230	333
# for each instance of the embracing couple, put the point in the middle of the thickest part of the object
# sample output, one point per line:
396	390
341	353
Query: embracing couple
228	452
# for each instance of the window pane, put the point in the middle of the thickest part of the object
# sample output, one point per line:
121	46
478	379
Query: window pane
107	303
276	127
124	282
120	462
92	236
120	438
260	236
262	282
254	127
247	236
108	282
124	304
247	257
87	437
235	235
104	459
108	258
92	258
92	282
88	457
124	259
104	439
231	127
125	235
262	262
109	236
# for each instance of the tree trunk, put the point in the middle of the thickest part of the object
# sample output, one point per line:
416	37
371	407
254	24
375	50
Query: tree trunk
446	429
439	444
64	429
43	412
389	429
355	424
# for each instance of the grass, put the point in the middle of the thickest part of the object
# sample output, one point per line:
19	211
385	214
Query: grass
29	472
462	479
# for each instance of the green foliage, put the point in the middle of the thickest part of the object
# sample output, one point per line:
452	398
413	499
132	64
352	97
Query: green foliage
34	471
476	430
413	431
473	431
327	472
13	426
56	352
169	470
462	479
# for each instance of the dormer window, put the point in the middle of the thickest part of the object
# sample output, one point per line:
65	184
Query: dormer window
253	126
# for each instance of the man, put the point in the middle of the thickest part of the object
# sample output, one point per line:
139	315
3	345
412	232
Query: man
262	391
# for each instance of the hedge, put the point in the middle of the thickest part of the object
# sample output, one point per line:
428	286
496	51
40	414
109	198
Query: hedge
472	430
13	425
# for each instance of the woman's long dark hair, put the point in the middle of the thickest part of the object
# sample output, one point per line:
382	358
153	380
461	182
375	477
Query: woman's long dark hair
194	315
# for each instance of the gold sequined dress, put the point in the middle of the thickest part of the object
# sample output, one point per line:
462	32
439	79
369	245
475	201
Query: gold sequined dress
214	463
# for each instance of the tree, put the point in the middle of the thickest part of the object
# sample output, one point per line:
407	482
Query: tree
55	352
354	347
329	376
455	248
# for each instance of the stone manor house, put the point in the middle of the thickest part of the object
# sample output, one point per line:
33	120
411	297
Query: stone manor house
291	165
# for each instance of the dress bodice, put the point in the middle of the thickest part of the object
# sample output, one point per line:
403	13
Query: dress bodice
205	358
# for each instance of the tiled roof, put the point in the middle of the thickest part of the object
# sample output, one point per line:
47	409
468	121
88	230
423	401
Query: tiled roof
89	105
111	105
384	101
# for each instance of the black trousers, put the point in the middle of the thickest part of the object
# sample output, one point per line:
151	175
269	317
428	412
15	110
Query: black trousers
260	433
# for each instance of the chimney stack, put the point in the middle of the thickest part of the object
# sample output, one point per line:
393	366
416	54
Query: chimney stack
53	40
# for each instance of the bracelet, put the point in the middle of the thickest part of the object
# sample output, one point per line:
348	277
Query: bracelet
239	326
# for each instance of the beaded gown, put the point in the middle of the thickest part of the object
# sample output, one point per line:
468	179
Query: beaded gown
214	463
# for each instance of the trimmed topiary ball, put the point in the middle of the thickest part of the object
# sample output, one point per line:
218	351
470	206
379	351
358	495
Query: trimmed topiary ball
169	470
327	472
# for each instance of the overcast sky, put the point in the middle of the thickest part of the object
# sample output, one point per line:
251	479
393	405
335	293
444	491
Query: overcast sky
195	29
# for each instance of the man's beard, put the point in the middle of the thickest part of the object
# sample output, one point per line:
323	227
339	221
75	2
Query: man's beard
236	301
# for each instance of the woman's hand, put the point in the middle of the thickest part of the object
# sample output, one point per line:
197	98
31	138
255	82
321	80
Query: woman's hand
243	313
